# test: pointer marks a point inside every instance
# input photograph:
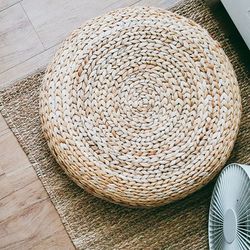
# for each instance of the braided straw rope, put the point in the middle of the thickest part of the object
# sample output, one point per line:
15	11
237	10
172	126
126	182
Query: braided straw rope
140	106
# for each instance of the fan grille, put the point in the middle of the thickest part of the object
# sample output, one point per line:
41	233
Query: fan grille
229	216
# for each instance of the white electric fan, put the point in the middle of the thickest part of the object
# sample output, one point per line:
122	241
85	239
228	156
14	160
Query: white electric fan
229	215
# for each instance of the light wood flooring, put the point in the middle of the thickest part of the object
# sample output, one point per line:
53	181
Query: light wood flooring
30	32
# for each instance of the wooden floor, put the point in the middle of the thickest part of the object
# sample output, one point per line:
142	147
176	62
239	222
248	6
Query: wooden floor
30	31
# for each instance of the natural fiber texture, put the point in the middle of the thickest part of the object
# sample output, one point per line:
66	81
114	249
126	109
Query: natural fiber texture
140	106
95	224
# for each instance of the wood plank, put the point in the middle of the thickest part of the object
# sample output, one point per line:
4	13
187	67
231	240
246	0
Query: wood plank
28	220
54	20
32	226
11	154
20	178
18	40
5	186
4	4
25	197
58	240
3	124
27	67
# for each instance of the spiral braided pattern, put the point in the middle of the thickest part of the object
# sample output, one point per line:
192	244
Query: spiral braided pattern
140	106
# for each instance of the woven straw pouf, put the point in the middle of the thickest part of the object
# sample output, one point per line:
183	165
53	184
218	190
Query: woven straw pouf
140	106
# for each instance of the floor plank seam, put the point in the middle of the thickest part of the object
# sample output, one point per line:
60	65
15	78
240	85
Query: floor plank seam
33	26
10	6
11	193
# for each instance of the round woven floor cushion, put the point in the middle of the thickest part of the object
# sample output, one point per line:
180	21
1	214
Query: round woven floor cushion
140	106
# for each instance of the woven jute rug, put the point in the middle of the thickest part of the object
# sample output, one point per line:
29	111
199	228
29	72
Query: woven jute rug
95	224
